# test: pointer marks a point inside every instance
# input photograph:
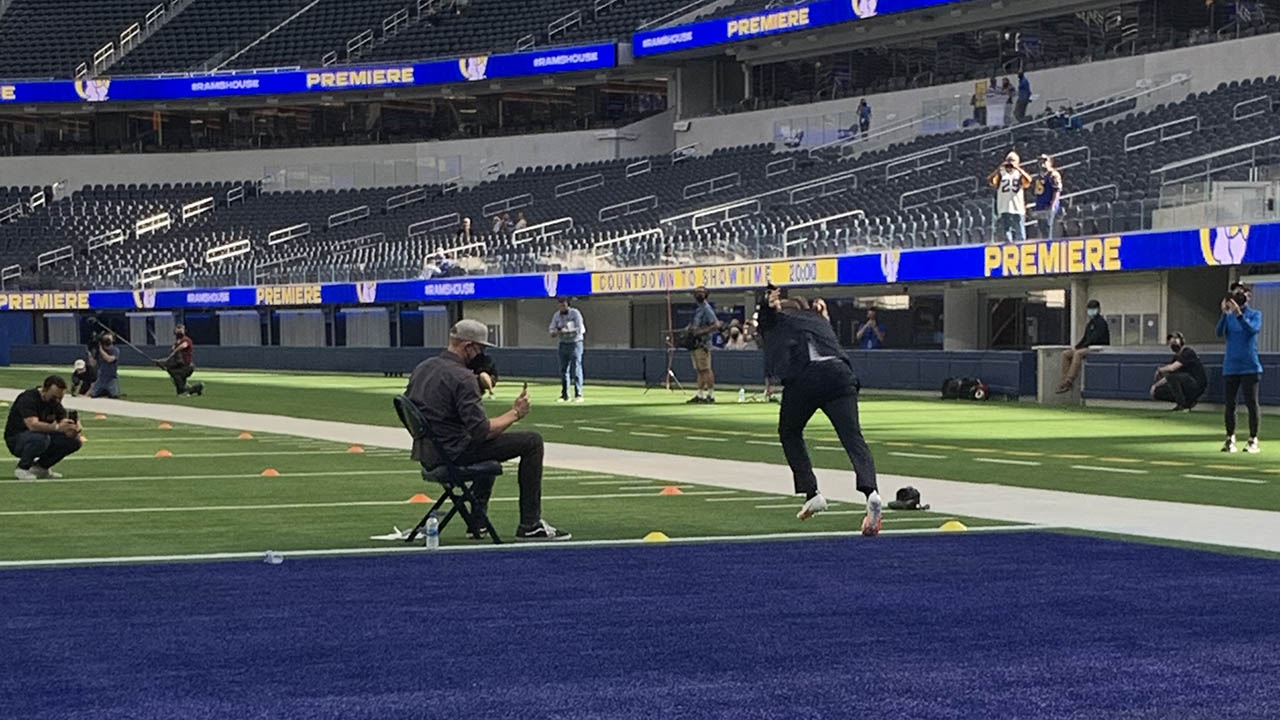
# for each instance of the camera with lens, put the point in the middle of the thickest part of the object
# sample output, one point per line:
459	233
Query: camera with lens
73	416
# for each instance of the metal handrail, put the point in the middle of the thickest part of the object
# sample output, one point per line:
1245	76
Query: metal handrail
1212	155
822	189
595	247
415	195
684	152
542	231
285	234
639	167
630	207
169	269
821	223
197	208
678	12
970	181
106	239
359	41
1265	99
218	253
439	222
713	185
918	162
582	184
155	223
1081	193
9	272
1057	158
780	167
1162	127
348	216
56	255
563	23
515	202
754	207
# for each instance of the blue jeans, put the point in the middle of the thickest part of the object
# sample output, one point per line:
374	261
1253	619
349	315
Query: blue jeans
48	448
109	388
571	368
1009	228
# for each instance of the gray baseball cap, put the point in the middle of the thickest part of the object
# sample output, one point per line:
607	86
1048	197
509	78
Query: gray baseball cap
471	331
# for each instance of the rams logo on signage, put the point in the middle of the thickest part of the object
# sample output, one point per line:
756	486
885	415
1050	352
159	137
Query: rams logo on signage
551	281
367	291
889	262
144	299
1224	245
94	90
864	8
474	68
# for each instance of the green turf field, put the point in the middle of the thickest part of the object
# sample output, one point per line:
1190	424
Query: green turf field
118	499
1133	453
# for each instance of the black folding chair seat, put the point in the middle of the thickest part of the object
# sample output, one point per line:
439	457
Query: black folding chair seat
458	481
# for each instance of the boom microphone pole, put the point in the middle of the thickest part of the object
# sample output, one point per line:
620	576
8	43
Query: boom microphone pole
150	359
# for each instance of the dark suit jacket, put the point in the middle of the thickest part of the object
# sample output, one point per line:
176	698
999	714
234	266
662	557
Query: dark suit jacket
786	336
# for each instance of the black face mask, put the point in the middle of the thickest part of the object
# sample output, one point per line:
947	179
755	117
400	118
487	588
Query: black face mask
178	335
479	362
1175	347
1241	299
700	298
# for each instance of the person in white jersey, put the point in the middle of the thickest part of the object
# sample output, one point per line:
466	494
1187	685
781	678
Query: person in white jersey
1010	180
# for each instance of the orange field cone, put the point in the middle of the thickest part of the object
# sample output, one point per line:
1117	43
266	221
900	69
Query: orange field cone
99	416
271	472
163	453
165	426
355	449
671	490
245	436
420	498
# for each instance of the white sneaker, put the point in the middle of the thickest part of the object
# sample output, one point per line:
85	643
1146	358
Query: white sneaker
579	399
1252	447
875	515
45	473
812	506
24	474
1229	446
562	400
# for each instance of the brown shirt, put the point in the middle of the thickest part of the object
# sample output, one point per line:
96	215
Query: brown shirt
447	394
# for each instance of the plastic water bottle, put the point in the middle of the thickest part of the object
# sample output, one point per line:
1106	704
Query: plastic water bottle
742	395
433	532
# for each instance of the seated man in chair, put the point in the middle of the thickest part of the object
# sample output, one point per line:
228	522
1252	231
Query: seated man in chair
447	393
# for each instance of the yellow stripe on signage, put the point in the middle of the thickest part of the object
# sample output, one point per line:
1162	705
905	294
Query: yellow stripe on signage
45	301
744	276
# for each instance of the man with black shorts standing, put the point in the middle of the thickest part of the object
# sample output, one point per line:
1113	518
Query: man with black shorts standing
1183	380
38	432
802	350
181	363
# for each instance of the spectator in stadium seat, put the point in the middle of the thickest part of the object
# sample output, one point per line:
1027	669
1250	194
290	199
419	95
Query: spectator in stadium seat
1010	180
1097	334
446	392
464	231
1024	98
1048	192
870	335
508	226
864	117
1182	381
497	225
521	222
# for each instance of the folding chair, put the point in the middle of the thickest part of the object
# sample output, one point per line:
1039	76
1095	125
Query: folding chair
458	481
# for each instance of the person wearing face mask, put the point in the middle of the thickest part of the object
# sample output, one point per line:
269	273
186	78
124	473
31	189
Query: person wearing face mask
1241	368
180	363
701	326
1096	333
567	327
445	390
1183	380
108	382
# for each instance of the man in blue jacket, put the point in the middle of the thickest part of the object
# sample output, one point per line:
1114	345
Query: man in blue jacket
802	350
1241	369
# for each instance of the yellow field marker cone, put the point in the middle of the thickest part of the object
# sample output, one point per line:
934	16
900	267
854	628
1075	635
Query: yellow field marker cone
164	426
245	436
99	416
355	449
671	490
271	472
656	536
420	498
162	453
953	526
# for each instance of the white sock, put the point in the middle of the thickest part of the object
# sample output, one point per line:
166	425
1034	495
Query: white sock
711	393
702	394
874	497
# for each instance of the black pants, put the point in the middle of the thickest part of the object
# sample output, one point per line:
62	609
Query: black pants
1249	384
524	445
40	448
179	372
831	387
1179	388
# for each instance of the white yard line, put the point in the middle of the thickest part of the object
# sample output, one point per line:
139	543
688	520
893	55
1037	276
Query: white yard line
1248	481
1208	524
701	438
648	434
1102	468
402	547
585	428
923	456
264	454
1002	461
240	476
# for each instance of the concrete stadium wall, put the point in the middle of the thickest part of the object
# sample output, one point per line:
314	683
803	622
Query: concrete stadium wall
1007	372
420	163
1208	65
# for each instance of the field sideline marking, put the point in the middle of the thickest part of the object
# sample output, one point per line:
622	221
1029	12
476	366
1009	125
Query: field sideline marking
1249	481
587	428
647	434
297	506
699	438
260	453
1099	468
489	547
1002	461
245	476
925	456
549	425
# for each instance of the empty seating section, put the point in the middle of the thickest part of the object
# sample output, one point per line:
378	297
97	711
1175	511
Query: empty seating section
39	38
478	26
206	33
922	193
326	27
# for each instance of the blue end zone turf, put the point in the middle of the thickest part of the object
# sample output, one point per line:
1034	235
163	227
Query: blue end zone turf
1011	625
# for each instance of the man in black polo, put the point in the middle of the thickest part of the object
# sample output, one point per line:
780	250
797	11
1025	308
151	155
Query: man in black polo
446	392
38	431
1183	380
802	350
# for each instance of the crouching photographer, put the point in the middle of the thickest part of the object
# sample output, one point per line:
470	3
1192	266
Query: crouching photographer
1182	381
802	351
39	432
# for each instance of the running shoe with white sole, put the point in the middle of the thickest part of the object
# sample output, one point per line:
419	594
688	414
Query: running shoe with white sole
1252	447
1229	446
542	532
45	473
875	515
812	506
24	474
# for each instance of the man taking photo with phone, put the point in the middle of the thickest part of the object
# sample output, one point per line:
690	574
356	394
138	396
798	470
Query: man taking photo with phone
39	431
